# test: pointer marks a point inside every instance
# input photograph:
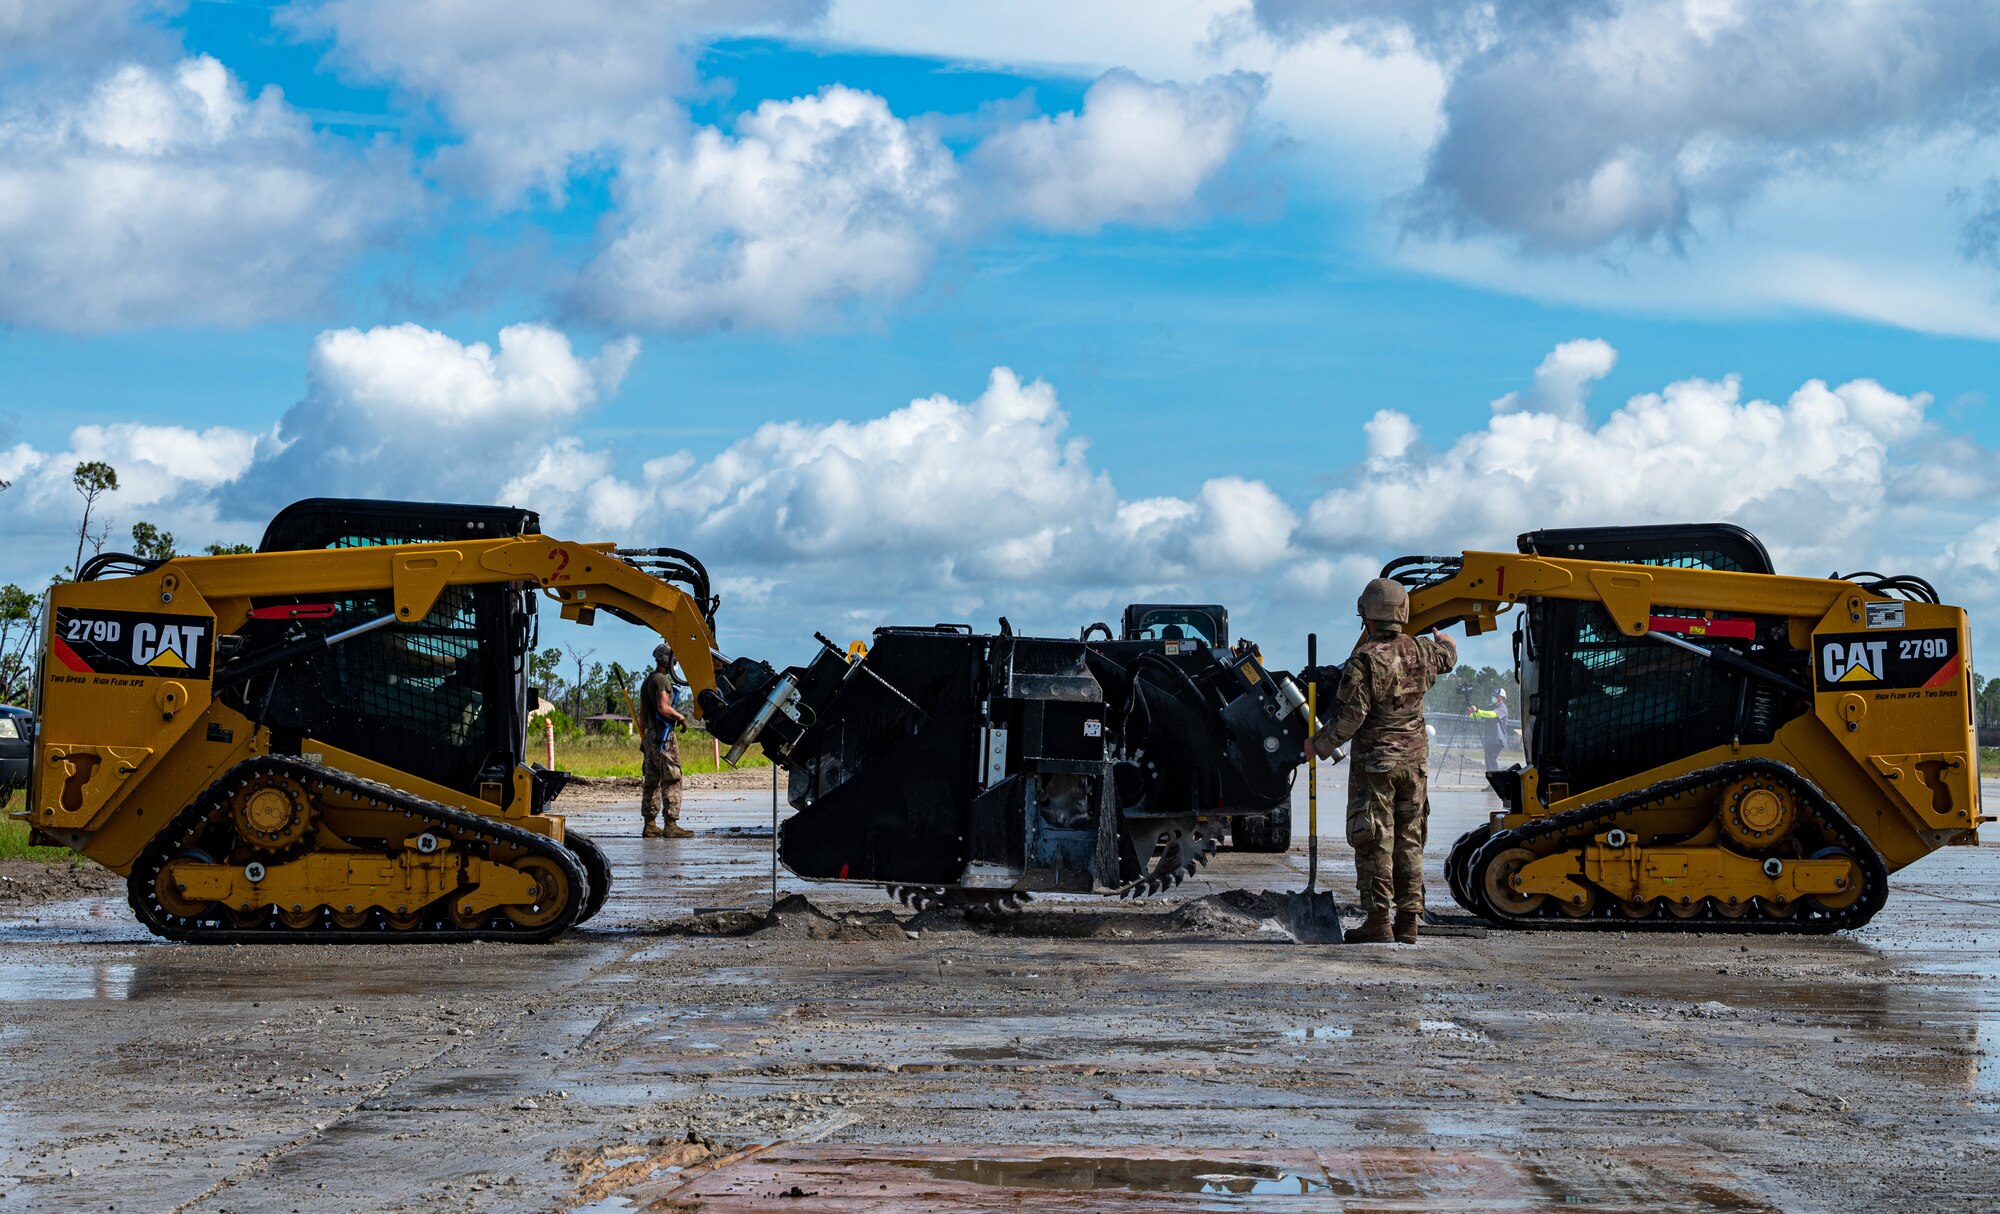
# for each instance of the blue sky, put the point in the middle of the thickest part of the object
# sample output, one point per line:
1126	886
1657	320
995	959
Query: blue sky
1265	276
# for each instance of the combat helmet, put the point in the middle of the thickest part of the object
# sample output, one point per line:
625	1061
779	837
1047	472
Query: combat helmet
1384	601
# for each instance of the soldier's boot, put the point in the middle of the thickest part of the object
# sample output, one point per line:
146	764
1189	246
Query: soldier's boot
652	830
675	830
1373	930
1406	926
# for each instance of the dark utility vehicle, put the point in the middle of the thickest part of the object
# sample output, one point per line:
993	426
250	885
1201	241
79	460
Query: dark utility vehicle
17	741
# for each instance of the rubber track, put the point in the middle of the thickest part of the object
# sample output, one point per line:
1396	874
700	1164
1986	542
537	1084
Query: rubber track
183	829
1459	857
1809	919
596	869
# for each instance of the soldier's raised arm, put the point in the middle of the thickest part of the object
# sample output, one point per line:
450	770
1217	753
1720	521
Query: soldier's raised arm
1350	708
1441	654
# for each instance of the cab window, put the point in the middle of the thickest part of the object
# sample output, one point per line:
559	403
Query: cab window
1176	626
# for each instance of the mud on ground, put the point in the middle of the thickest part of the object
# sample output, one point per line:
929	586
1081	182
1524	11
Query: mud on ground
692	1051
30	882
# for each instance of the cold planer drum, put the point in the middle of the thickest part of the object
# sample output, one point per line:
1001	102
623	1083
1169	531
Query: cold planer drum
978	768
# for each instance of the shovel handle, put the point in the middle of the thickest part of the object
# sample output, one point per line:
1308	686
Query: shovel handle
1312	763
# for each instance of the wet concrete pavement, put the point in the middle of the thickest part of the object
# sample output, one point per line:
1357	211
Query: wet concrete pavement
1084	1058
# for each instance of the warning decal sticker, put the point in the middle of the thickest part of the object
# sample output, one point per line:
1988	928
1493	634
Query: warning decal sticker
90	641
1856	661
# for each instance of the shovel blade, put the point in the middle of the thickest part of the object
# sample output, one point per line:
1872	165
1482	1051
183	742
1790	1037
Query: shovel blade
1312	918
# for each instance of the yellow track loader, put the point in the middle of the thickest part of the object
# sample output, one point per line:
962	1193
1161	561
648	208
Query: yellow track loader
1710	746
322	740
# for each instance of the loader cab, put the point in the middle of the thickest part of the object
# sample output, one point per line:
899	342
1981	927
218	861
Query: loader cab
444	698
1206	624
1600	705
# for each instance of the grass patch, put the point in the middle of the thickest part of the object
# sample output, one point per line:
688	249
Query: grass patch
1989	760
14	838
611	754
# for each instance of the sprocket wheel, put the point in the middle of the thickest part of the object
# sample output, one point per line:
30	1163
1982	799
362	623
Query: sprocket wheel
1757	812
1180	846
273	812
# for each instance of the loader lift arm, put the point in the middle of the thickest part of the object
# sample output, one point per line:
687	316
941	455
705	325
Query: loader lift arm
583	578
1478	587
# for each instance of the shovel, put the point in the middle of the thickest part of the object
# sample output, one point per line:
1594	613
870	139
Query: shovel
1311	914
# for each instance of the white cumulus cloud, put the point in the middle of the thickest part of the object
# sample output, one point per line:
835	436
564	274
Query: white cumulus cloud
37	36
1815	475
1138	151
167	475
1575	126
1563	381
812	203
966	509
535	89
170	196
938	509
402	411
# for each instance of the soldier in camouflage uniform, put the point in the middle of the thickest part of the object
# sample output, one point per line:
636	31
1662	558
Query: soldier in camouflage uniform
660	750
1381	707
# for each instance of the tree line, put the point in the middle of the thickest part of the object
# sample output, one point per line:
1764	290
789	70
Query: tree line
1470	687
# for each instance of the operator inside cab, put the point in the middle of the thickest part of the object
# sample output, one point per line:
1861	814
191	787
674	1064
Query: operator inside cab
1381	709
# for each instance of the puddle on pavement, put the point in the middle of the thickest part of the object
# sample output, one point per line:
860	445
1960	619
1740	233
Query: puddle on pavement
27	982
78	921
1320	1032
858	1177
1449	1030
1075	1174
1986	1079
988	1053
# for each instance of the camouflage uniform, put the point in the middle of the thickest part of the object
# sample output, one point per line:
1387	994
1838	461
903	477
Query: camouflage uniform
1381	708
662	759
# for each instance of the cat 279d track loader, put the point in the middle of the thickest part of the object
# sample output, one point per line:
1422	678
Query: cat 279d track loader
322	740
1710	746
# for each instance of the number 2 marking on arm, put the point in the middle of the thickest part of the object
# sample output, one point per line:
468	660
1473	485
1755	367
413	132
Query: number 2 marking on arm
561	557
